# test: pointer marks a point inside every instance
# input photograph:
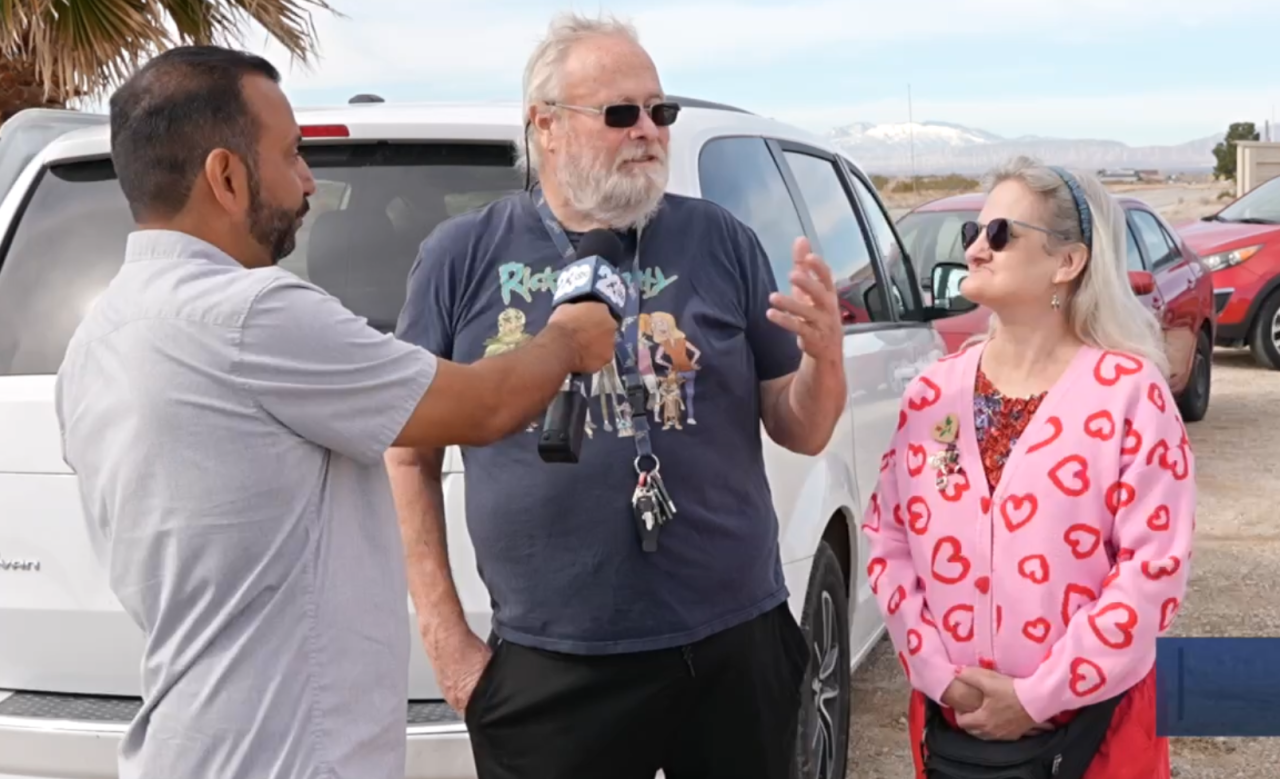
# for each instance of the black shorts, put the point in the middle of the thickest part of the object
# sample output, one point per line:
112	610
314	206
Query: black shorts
723	708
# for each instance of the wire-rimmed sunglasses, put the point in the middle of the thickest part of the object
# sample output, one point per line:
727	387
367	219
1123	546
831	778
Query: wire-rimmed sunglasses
998	232
623	115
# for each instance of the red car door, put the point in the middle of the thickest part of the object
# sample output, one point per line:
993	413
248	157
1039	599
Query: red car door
1174	301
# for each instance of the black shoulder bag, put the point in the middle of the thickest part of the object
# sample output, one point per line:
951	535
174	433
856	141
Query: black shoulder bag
1063	753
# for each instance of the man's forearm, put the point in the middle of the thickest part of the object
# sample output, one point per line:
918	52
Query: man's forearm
479	403
522	383
419	500
810	406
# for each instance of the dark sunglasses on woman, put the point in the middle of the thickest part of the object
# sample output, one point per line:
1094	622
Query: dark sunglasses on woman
998	232
623	115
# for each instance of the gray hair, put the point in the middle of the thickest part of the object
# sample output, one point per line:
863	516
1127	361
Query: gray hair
1101	307
542	72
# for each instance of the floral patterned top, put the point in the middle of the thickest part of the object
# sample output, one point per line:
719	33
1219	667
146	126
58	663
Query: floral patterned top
998	421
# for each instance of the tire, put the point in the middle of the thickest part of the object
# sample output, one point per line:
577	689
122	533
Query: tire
822	743
1261	341
1193	403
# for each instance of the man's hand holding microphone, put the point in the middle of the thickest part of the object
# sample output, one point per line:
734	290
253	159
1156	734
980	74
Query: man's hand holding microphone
590	299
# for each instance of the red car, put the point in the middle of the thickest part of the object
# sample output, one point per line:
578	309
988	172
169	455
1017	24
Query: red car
1165	273
1241	247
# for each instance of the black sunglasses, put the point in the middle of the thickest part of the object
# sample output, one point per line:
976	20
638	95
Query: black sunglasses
998	232
622	115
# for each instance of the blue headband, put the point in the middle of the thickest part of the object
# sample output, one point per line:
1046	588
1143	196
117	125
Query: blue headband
1082	206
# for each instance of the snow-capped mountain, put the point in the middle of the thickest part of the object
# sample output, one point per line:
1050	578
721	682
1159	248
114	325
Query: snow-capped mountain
941	147
926	135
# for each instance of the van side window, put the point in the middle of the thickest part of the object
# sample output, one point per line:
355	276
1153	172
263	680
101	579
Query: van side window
373	207
843	245
905	292
68	245
740	175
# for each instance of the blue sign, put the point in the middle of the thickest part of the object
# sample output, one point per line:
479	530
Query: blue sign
1218	687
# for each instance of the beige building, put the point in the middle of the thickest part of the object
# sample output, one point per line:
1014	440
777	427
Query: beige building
1256	162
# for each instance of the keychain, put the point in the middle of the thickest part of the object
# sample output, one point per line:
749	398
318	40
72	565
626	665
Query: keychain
652	506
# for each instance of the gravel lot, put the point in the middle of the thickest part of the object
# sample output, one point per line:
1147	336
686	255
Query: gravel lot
1236	563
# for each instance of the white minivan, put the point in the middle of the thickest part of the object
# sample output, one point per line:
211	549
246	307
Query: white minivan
386	176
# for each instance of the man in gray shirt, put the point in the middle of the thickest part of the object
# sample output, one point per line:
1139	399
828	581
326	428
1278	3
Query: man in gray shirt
227	422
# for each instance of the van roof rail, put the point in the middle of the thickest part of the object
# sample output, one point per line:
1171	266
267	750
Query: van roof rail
693	102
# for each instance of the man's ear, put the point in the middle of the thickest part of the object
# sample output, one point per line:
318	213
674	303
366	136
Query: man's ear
541	121
228	180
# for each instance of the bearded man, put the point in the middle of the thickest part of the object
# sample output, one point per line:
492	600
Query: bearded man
609	657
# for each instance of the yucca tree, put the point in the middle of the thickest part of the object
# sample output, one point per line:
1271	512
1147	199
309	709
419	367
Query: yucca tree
55	51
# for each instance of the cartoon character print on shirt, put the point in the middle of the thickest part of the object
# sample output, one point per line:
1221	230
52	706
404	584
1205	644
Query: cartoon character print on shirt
511	333
679	357
661	345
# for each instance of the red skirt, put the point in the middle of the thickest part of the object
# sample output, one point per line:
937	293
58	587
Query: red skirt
1130	750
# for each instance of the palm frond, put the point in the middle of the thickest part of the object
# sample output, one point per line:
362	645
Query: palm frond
81	48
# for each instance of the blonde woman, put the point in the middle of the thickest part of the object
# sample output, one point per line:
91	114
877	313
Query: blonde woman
1031	529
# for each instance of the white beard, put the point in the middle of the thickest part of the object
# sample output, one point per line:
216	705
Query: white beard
616	199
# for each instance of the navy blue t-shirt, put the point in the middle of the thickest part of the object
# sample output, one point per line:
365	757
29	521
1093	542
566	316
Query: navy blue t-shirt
557	544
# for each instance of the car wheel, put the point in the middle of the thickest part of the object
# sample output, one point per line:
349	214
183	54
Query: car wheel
1194	400
823	739
1265	339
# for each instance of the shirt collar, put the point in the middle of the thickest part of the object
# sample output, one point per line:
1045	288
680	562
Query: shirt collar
173	245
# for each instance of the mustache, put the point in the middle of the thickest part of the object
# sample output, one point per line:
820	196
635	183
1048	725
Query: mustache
640	152
306	207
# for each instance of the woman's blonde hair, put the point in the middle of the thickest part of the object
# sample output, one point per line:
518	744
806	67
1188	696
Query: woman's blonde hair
1101	308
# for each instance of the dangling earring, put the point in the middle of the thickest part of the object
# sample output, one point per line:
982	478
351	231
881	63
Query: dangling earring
1057	304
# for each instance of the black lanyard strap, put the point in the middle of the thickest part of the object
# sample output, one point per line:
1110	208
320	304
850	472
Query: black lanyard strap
651	504
627	345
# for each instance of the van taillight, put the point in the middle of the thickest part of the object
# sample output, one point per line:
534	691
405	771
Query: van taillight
326	131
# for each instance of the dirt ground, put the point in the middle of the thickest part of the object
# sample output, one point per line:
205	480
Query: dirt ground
1236	564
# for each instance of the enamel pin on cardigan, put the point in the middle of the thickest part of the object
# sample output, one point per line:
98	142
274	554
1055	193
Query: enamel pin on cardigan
1063	575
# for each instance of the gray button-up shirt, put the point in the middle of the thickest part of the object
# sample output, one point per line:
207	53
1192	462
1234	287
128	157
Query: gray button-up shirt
227	427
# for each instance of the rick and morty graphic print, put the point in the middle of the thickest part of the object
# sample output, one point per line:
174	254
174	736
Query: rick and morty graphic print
666	358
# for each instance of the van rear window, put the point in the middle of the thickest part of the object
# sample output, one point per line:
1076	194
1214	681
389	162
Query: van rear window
373	206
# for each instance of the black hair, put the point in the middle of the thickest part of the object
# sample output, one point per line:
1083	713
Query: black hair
174	111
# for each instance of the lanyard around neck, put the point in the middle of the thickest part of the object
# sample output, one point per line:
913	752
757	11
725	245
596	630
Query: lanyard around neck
627	345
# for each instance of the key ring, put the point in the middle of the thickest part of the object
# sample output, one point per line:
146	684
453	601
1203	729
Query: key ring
656	464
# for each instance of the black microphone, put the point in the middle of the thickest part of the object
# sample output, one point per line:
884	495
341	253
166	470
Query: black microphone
592	277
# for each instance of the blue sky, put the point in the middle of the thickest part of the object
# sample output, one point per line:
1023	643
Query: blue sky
1138	71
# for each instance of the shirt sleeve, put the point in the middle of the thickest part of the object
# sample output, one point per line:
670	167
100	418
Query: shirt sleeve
894	580
774	348
427	317
324	373
1110	645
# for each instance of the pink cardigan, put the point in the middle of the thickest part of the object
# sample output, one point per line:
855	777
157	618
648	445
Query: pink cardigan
1064	577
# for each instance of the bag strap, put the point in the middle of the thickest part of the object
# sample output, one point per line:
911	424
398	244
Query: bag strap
1074	744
